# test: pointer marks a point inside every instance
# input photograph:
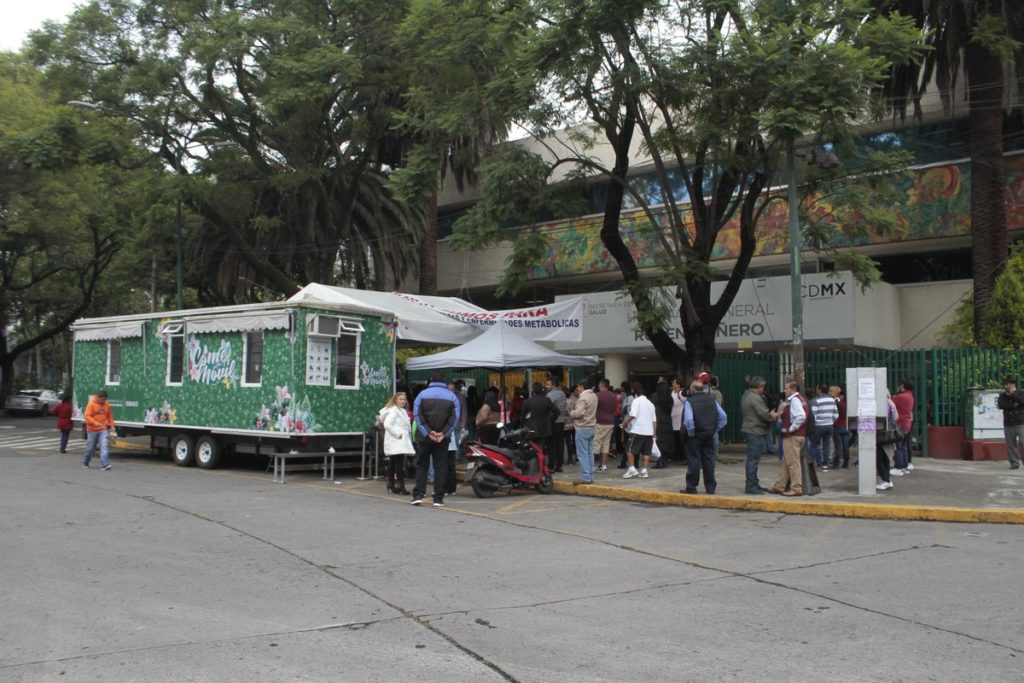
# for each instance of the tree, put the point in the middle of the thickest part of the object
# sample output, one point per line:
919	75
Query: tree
710	92
456	105
982	41
277	115
1006	310
61	210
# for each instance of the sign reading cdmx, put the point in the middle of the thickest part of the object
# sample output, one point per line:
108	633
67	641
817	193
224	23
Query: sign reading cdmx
760	314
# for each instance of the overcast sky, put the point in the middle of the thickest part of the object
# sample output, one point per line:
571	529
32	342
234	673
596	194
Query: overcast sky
18	17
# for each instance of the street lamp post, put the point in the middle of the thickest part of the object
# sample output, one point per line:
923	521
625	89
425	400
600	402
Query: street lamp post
178	258
795	284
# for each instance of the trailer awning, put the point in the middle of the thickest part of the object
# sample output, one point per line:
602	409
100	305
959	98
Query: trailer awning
240	323
123	330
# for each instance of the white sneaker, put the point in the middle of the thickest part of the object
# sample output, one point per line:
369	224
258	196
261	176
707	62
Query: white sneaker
884	486
602	468
630	473
895	472
910	466
643	473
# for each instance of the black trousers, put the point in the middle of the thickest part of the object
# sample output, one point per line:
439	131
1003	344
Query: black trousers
487	434
425	450
556	456
396	472
881	463
700	456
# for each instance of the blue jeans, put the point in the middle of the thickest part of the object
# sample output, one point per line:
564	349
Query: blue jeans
90	446
585	452
821	444
757	444
902	454
700	458
841	441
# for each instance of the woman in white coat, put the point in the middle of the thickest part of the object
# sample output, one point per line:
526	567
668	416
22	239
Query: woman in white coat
397	440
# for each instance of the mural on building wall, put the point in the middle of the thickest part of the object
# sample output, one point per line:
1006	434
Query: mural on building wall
935	203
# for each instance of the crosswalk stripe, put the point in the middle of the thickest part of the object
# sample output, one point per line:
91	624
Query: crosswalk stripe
23	442
29	443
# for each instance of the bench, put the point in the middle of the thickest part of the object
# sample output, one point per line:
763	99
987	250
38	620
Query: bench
326	464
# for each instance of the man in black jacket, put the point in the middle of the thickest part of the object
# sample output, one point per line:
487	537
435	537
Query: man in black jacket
436	412
539	412
702	419
1011	402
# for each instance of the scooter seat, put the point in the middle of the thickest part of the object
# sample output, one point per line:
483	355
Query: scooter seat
507	452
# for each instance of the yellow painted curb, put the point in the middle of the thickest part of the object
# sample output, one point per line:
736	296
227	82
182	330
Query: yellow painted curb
804	506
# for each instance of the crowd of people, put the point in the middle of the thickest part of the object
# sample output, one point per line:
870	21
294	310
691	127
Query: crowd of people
591	423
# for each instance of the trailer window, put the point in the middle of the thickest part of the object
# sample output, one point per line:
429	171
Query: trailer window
252	354
114	361
346	361
175	358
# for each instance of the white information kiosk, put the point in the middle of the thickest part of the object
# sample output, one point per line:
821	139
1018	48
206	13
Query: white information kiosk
866	414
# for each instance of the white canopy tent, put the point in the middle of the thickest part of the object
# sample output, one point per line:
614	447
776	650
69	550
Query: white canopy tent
415	321
499	347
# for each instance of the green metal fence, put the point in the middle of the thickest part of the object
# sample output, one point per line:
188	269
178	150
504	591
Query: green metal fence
953	371
941	377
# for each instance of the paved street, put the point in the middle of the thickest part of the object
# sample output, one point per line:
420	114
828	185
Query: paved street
153	572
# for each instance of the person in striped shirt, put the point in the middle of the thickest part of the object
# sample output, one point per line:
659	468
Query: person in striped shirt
825	412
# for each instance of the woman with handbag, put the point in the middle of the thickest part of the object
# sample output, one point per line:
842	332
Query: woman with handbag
904	402
397	441
884	447
488	418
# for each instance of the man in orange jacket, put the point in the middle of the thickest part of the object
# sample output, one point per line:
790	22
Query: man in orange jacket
99	422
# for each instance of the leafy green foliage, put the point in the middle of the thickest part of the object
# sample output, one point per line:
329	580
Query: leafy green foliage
1006	313
710	92
63	214
280	114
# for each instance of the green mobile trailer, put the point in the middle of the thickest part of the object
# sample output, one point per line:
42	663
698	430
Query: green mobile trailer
258	379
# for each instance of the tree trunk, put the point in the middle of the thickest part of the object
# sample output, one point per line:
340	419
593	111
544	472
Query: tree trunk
428	251
699	352
7	371
989	241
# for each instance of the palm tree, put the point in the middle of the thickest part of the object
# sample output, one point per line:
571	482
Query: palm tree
982	43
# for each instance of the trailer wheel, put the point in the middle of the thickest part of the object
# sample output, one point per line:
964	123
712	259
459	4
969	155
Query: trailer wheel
183	450
208	452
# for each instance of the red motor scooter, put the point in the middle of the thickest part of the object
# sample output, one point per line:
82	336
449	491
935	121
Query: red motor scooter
516	463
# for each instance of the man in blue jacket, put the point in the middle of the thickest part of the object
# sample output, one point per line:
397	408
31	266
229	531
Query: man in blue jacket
437	413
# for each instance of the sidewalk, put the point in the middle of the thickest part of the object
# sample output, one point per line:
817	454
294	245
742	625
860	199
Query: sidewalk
936	490
940	490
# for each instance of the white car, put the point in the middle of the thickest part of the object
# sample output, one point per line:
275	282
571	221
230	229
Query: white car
35	401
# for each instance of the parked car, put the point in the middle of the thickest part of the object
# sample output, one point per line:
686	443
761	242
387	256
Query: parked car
35	401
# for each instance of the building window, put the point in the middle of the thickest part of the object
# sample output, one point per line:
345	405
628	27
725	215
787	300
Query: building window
174	333
114	361
252	359
346	361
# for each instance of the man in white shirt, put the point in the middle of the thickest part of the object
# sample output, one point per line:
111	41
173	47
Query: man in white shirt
641	425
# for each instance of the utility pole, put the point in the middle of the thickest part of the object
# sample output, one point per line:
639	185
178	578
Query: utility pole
795	241
177	269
